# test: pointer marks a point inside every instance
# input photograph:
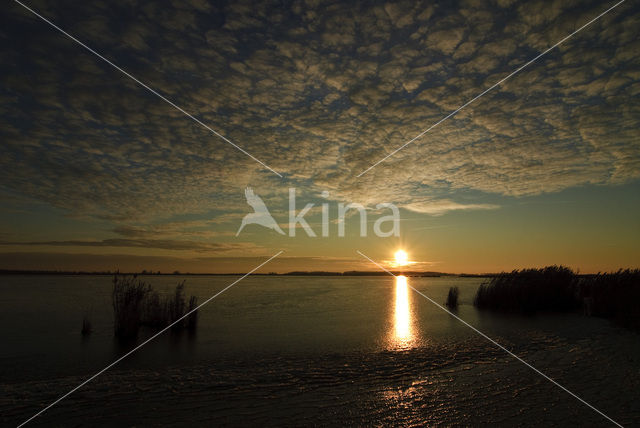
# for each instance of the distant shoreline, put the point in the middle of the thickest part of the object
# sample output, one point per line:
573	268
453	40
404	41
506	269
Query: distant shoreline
294	273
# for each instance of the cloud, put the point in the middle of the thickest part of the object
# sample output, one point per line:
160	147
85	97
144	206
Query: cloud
175	229
163	244
442	206
319	91
167	264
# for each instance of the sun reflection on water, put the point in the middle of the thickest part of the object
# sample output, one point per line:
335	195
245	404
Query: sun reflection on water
403	329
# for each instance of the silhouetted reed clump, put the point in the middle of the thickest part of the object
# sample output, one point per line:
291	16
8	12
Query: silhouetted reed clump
127	297
552	288
613	295
136	304
452	298
192	320
86	326
558	289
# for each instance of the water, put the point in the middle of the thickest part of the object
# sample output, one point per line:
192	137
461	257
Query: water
308	351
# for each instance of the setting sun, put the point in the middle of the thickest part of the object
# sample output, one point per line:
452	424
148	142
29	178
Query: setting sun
401	258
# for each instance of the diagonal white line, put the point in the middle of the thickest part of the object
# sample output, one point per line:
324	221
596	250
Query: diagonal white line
522	67
150	339
496	343
153	91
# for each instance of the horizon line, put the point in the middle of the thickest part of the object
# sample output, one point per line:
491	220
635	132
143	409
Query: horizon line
288	273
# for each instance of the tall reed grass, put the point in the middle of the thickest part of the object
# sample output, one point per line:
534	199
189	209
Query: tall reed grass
614	295
86	326
452	298
128	298
552	288
137	304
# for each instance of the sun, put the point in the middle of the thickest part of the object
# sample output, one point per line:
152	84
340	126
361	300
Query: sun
401	258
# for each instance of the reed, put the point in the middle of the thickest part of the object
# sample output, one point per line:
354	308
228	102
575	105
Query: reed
127	298
614	295
452	298
86	326
192	319
155	312
176	306
136	304
552	288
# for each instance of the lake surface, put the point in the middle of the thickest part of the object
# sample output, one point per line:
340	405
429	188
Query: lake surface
308	351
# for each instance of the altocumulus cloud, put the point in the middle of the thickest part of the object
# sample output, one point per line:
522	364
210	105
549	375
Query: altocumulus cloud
163	244
319	90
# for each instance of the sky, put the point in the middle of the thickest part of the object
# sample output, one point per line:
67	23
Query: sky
98	173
